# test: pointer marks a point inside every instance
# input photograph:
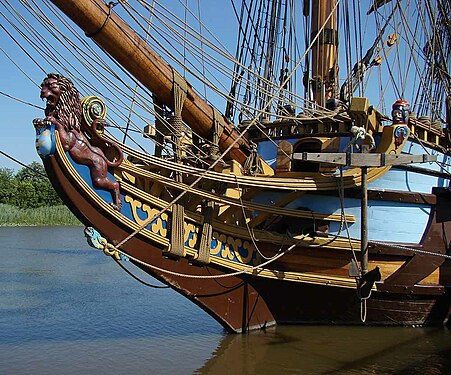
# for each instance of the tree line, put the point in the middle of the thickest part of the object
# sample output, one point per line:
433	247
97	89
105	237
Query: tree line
27	188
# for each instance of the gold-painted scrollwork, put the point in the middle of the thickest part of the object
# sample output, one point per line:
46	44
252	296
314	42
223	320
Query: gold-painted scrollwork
93	108
156	226
228	247
193	230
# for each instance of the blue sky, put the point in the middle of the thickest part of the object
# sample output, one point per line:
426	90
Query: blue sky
18	138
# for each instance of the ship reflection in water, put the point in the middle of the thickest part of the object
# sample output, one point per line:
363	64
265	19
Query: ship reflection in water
334	350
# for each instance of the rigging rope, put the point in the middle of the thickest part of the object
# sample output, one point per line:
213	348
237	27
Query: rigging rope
23	164
137	278
52	27
21	101
88	57
211	59
249	270
182	194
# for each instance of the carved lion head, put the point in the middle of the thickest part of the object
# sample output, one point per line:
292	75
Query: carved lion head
62	100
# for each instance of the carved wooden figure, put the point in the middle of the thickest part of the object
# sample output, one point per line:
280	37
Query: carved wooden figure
63	109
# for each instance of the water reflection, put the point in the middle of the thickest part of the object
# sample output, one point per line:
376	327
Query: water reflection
334	350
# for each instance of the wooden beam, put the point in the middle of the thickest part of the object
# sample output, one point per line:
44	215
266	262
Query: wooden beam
363	159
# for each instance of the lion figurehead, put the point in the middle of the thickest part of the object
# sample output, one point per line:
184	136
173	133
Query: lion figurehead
62	100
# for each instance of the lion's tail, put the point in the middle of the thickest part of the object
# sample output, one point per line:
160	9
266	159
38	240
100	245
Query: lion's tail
119	153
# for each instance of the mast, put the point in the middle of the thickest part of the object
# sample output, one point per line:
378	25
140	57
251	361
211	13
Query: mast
324	50
100	23
269	57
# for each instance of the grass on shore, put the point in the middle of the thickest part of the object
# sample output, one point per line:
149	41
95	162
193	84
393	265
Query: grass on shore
55	215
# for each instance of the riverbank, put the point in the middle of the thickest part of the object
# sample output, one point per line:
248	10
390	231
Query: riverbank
53	215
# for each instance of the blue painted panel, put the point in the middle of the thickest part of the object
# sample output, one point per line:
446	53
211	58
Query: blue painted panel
387	221
396	179
268	151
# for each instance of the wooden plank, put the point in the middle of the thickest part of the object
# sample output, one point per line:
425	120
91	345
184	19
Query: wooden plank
363	160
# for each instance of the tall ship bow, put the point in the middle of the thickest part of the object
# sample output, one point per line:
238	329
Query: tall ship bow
301	179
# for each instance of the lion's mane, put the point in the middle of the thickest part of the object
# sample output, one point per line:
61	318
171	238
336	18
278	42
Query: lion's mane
68	108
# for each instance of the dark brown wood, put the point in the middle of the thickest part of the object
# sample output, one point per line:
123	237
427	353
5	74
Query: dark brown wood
320	304
443	207
420	266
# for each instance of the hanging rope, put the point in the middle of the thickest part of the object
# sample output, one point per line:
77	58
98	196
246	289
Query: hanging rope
138	279
251	165
111	5
161	129
249	270
180	88
206	232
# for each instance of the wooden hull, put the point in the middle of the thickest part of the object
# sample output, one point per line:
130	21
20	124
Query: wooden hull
317	304
306	286
233	301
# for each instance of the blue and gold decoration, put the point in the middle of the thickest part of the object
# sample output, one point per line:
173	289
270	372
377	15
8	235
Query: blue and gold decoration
96	241
45	138
222	246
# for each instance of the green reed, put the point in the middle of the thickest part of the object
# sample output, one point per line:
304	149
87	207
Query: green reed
54	215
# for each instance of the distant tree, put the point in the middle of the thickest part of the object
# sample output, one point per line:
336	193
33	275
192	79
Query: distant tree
25	196
7	185
34	172
28	188
34	188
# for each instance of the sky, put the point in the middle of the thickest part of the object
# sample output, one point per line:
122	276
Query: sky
18	136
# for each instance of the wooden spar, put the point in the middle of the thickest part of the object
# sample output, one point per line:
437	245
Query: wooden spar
130	51
364	221
324	51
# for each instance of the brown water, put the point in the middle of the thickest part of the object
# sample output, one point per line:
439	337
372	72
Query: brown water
67	309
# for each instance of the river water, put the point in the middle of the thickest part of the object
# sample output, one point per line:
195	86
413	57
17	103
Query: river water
68	309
